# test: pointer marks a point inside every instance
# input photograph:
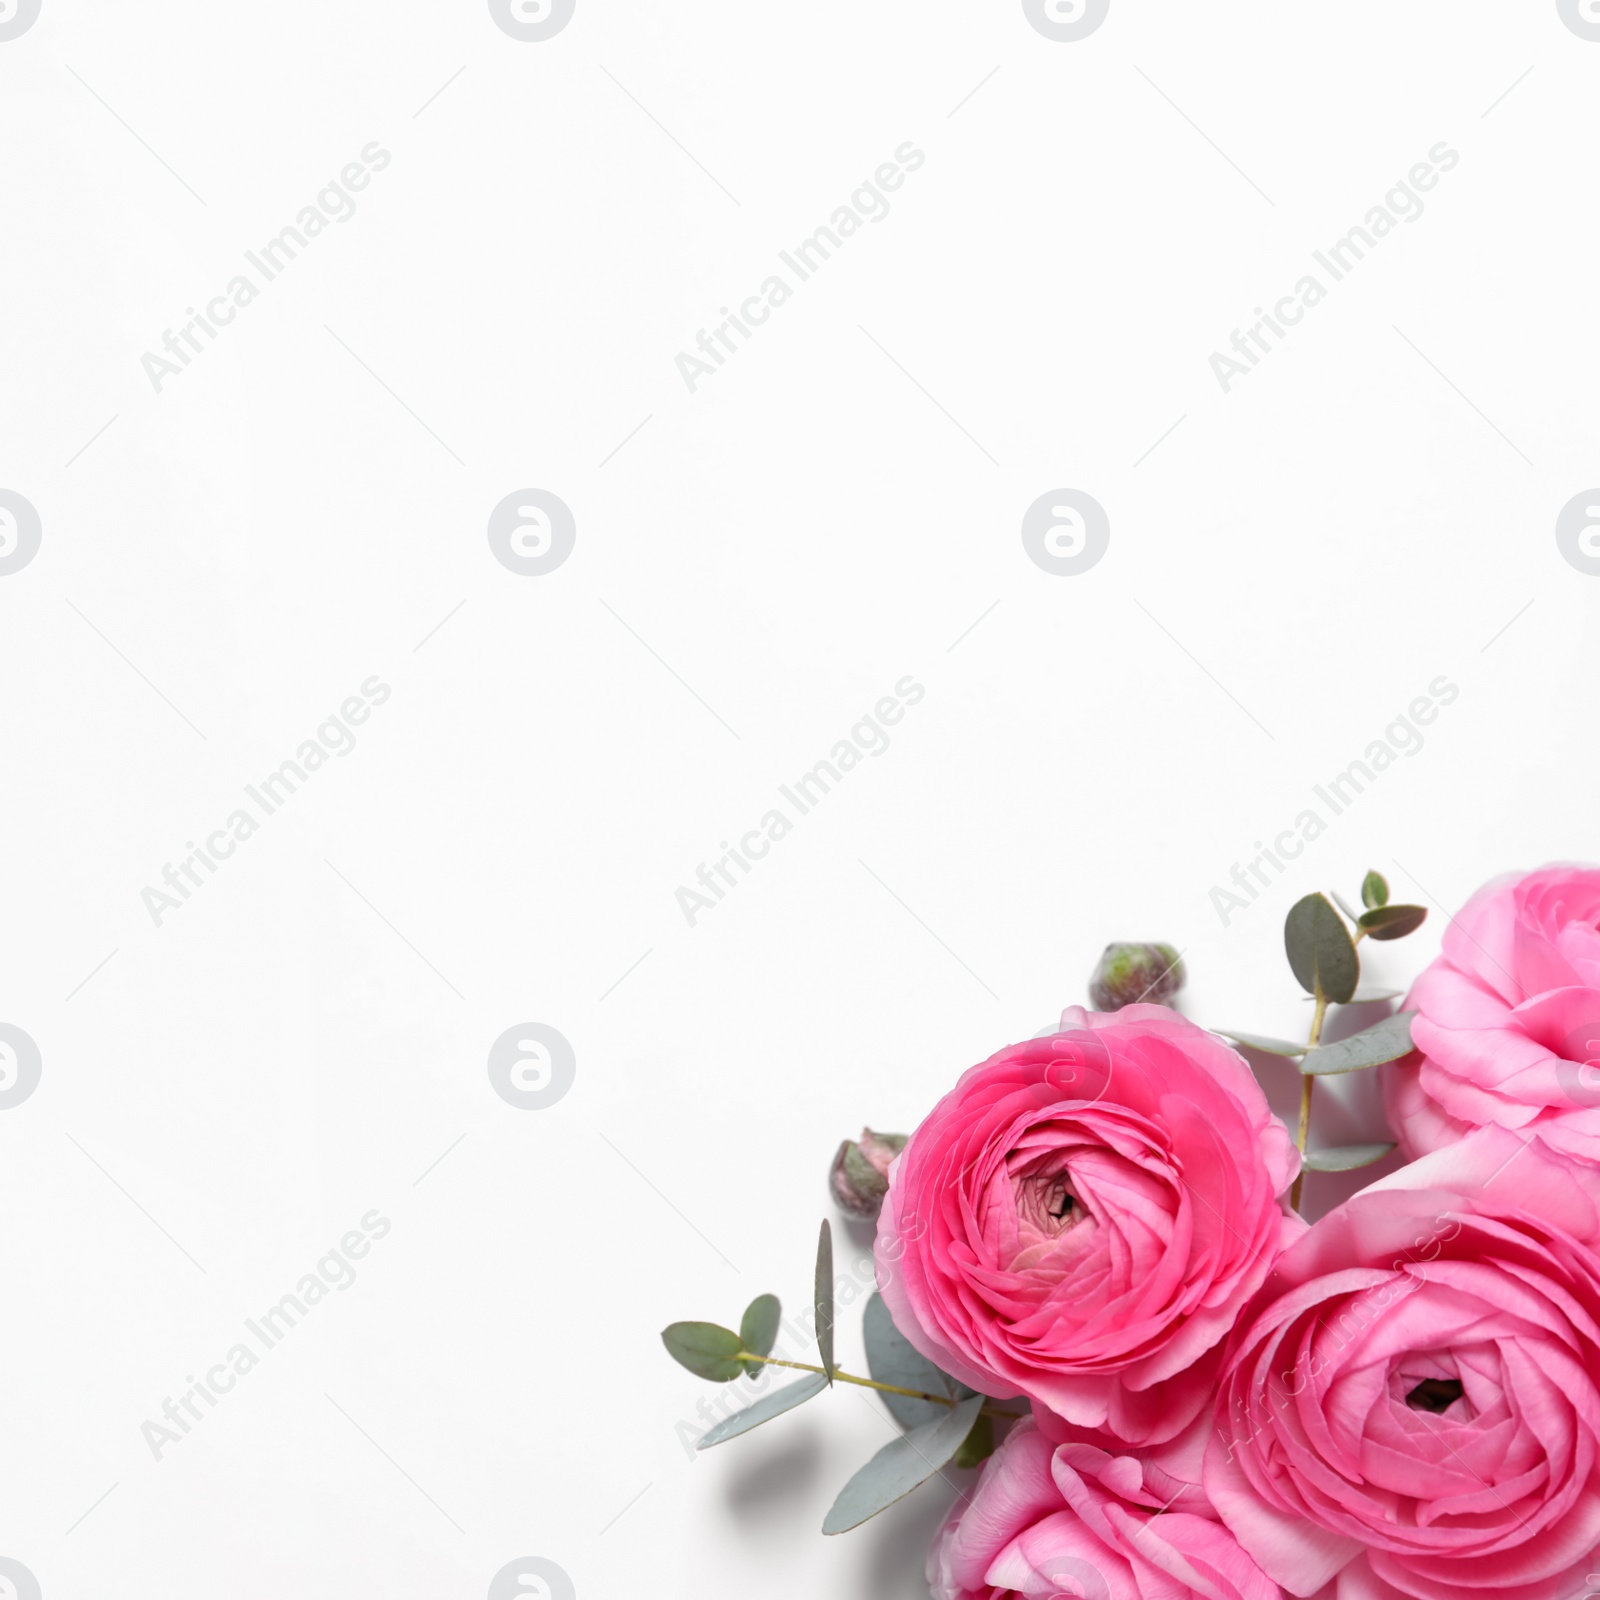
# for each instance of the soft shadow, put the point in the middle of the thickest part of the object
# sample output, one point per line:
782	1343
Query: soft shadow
784	1476
900	1538
860	1234
1347	1109
1345	1020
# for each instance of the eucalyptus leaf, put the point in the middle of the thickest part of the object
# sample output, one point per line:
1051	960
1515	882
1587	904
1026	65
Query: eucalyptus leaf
1393	922
765	1409
900	1466
707	1350
1345	1158
1365	997
759	1327
1258	1041
1383	1041
1320	950
824	1297
891	1359
978	1445
1374	891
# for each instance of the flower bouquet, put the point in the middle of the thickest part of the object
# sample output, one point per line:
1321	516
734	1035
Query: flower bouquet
1096	1286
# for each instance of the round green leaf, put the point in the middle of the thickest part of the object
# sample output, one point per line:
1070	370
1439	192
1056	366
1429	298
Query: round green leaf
1393	922
1320	950
1374	890
705	1349
1365	996
759	1327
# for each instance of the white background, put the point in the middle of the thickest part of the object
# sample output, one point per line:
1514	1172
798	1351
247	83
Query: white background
229	559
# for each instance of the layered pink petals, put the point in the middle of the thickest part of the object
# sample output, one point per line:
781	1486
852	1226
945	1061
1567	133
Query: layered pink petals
1508	1024
1081	1218
1049	1521
1410	1405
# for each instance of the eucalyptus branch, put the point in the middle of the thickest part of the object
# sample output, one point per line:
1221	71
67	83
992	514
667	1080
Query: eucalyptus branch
1307	1084
872	1383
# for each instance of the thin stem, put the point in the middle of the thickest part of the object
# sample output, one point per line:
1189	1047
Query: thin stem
1307	1084
872	1383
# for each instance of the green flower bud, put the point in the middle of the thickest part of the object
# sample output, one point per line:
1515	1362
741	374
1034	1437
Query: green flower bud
1129	973
859	1178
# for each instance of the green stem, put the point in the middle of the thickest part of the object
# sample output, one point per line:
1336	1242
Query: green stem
872	1383
1307	1084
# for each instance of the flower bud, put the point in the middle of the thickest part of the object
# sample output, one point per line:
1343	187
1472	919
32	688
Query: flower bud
859	1178
1129	973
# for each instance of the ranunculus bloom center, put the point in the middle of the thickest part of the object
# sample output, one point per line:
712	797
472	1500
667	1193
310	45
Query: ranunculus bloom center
1081	1218
1415	1394
1063	1232
1434	1394
1046	1205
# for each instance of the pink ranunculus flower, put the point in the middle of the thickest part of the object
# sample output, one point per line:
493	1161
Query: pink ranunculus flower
1048	1521
1508	1018
1410	1409
1080	1219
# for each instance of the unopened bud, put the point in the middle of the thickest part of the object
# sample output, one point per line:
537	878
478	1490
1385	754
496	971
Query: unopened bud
859	1178
1129	973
